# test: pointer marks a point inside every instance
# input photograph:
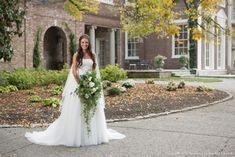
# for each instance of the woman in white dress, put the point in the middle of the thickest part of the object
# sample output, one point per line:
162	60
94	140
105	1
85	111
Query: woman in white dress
70	129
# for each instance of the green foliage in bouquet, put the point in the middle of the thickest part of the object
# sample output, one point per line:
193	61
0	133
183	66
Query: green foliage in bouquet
89	91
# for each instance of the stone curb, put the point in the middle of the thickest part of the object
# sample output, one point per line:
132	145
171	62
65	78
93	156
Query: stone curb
152	115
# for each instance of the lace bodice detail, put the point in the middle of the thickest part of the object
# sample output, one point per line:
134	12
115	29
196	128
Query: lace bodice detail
86	66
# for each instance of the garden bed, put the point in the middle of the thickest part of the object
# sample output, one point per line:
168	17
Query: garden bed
142	99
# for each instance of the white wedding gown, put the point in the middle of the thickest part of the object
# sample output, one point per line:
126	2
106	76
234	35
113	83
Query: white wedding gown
70	129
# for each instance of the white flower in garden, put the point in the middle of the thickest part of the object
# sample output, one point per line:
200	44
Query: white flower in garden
89	78
91	84
122	89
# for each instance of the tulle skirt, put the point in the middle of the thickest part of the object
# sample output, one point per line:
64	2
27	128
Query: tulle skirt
70	129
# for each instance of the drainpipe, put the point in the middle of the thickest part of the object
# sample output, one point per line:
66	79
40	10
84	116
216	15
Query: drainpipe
25	54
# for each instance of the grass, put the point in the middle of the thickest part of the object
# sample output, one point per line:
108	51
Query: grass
188	79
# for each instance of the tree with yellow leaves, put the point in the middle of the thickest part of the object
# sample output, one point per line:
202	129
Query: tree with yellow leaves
143	17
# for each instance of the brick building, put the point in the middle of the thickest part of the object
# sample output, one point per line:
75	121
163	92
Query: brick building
112	45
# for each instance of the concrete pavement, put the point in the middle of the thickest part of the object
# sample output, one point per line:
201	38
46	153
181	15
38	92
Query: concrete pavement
208	131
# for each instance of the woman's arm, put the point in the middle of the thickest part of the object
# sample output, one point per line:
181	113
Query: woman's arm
75	67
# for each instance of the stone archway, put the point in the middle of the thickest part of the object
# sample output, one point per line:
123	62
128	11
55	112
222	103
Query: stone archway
55	47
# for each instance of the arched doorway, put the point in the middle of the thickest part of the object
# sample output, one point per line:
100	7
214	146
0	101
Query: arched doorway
55	48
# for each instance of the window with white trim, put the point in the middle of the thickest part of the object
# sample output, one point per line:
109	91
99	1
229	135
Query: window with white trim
222	3
181	42
132	51
106	1
207	54
219	49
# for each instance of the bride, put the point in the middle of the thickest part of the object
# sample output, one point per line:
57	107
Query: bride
70	129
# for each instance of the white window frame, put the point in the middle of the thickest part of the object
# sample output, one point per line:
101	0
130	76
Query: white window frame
222	3
210	41
221	19
106	1
179	22
126	49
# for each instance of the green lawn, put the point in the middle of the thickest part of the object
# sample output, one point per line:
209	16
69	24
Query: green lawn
188	79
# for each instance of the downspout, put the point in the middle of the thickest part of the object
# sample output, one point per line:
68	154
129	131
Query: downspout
25	54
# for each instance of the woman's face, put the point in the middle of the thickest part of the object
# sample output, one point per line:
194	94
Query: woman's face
84	43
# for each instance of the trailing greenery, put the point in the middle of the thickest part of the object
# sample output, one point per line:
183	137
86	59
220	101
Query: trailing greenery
11	19
113	73
89	91
36	51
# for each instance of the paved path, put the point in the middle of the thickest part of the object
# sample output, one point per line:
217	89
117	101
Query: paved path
208	131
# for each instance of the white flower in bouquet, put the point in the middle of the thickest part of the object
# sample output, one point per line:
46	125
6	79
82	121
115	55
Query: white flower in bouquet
89	91
91	84
86	96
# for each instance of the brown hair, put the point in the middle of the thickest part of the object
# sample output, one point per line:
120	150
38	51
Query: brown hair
80	53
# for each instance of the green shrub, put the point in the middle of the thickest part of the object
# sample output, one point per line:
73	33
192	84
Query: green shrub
204	89
113	73
56	90
4	75
36	50
4	89
181	84
106	84
22	79
149	81
159	61
35	98
52	101
12	88
171	86
114	91
183	60
128	84
9	88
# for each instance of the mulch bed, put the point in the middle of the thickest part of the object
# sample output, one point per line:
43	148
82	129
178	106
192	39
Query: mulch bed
140	100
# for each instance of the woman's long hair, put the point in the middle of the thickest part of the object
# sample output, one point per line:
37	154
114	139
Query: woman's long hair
80	53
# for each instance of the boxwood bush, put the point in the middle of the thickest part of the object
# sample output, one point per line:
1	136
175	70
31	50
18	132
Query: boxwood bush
113	73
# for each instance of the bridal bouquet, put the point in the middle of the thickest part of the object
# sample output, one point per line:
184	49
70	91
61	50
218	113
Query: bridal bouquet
89	91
